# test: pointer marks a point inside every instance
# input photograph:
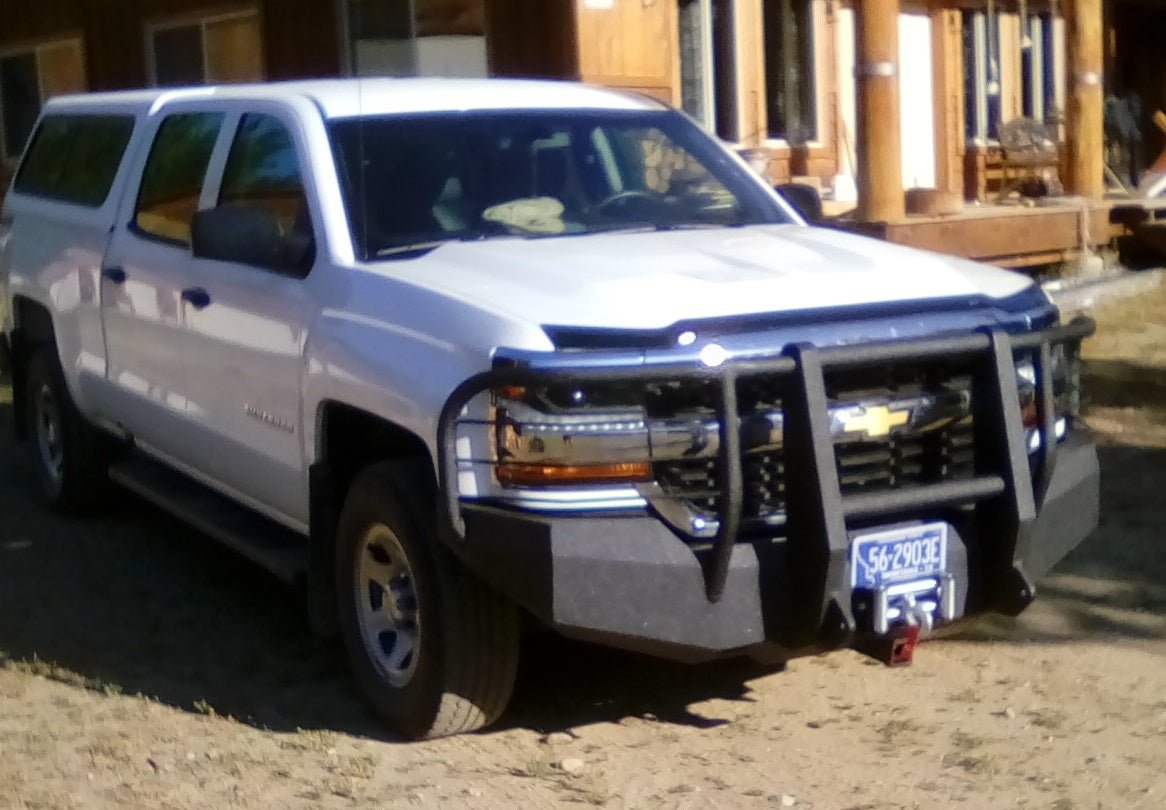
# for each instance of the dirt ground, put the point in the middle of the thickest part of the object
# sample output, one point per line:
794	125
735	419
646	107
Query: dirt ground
141	666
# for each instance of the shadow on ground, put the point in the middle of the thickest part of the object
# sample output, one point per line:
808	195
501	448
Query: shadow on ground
135	602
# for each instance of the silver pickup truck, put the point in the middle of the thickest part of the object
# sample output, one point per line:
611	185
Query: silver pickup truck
454	355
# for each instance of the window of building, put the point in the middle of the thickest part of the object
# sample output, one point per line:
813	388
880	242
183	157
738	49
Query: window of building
263	172
1009	70
1037	67
218	49
414	37
173	178
28	78
709	66
789	70
74	158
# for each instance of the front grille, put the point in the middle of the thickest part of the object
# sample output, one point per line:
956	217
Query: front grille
907	460
909	456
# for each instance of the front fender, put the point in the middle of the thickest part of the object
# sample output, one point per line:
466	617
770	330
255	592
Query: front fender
397	351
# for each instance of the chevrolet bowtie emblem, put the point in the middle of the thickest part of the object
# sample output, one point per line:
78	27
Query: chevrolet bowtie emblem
875	420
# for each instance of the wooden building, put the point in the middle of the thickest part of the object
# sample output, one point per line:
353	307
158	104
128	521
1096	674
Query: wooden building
868	99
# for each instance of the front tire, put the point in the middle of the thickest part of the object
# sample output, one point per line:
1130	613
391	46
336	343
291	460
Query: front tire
433	649
69	455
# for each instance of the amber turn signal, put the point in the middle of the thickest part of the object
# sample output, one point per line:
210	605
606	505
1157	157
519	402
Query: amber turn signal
535	475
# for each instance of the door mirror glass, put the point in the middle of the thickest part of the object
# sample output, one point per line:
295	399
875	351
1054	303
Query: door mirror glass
247	234
804	199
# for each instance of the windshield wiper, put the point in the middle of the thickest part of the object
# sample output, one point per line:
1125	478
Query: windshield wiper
410	251
414	250
643	227
697	226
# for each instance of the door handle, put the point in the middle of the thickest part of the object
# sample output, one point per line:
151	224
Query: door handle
197	297
115	274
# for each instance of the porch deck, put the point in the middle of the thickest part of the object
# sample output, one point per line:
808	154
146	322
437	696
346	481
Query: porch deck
1005	235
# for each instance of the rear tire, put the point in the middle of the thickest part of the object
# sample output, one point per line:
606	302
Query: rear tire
433	649
70	456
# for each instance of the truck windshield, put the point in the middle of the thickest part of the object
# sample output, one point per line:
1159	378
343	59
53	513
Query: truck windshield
415	182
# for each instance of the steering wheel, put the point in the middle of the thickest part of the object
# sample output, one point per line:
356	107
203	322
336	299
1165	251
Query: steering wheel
630	194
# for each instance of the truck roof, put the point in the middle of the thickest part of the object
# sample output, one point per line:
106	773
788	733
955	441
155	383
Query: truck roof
352	97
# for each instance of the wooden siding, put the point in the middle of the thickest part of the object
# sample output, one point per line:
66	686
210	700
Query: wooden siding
630	45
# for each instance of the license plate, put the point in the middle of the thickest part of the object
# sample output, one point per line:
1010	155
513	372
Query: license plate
898	555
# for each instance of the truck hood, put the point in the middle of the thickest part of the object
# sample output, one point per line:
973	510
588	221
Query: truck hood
651	280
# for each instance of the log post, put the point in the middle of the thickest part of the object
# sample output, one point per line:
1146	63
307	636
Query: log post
879	146
1084	143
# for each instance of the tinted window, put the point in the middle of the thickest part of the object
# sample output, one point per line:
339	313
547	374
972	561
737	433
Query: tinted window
42	166
263	172
172	181
74	158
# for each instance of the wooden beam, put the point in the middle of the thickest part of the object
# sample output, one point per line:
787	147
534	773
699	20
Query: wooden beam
749	42
948	90
879	143
1083	126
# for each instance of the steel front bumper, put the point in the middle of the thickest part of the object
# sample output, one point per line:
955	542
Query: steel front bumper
630	581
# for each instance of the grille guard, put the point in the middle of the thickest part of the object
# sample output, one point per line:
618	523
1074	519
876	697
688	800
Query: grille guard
1007	490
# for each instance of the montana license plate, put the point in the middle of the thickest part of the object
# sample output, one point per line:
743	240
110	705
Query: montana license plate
898	555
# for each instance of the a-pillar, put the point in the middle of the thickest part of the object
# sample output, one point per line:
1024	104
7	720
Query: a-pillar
879	146
1083	120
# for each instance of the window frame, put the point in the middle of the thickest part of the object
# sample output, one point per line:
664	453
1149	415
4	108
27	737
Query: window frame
72	117
201	21
737	94
1046	71
34	48
150	138
233	111
212	192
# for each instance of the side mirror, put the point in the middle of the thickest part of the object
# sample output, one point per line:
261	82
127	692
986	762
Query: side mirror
804	199
250	235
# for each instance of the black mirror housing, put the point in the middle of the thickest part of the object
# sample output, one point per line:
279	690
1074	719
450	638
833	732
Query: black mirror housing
804	199
248	234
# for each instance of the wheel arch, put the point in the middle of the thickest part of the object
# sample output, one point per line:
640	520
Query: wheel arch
348	440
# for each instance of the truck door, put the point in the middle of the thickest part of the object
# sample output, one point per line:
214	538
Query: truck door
145	284
244	345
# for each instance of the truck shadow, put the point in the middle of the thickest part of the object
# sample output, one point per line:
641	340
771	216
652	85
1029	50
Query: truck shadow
134	602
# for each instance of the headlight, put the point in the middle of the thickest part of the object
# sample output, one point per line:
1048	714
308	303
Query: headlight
1066	394
549	437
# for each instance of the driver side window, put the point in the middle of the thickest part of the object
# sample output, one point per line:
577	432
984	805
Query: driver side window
263	172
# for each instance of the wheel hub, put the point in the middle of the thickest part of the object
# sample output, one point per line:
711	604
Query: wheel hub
47	418
386	605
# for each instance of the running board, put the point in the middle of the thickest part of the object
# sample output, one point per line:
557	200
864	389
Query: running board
268	544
